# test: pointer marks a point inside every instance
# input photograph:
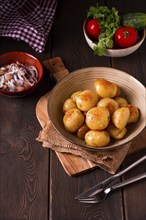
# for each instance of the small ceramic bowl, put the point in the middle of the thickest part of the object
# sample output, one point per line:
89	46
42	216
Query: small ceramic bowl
27	60
119	52
84	79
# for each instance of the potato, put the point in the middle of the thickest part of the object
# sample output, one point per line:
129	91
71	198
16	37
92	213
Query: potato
118	91
134	114
105	88
109	103
97	118
86	100
121	101
73	119
69	104
82	131
100	115
97	138
74	95
120	117
115	132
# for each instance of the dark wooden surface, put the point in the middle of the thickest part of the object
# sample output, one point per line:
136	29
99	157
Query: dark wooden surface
33	183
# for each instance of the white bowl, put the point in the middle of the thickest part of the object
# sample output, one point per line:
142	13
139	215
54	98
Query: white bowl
83	79
116	52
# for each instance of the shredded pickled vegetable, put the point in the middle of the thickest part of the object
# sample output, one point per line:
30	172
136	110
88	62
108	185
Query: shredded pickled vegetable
17	77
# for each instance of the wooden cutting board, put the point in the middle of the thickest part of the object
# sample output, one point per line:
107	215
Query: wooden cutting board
72	164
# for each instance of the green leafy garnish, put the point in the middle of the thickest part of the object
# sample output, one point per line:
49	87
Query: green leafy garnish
109	21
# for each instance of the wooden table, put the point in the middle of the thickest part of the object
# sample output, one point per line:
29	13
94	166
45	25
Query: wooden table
33	183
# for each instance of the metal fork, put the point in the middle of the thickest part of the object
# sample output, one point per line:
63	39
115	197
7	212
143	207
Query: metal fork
104	184
103	193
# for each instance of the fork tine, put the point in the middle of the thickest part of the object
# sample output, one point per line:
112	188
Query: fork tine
95	189
102	194
88	196
89	201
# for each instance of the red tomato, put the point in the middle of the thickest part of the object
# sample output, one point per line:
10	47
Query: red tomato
125	36
93	28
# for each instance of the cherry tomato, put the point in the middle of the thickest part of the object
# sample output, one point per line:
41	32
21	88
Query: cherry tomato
93	28
125	36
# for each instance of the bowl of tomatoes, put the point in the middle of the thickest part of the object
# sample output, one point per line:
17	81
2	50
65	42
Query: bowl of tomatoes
110	34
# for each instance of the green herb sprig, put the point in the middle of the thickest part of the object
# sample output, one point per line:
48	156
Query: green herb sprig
109	21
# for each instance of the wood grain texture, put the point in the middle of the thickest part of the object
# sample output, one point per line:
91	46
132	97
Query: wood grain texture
33	184
75	53
134	199
21	193
24	169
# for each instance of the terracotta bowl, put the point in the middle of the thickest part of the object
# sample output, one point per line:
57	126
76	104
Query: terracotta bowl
83	79
121	52
27	60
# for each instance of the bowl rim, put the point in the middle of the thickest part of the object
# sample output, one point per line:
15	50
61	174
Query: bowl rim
86	147
13	93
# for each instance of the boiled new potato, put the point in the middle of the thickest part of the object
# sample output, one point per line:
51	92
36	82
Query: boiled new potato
74	95
69	104
105	88
82	131
120	117
98	115
97	118
115	132
118	91
122	102
86	100
134	113
109	103
73	119
97	138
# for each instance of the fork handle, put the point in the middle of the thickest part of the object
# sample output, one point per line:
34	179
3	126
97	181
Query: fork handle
131	166
129	181
108	181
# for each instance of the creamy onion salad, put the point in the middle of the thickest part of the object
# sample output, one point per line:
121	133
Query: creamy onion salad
17	77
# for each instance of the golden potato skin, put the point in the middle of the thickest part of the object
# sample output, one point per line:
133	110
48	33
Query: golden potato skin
97	138
120	117
82	131
97	118
105	88
74	95
108	103
73	119
118	91
86	100
122	102
69	104
115	132
134	114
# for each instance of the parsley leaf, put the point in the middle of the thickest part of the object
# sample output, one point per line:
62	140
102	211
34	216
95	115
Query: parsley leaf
109	21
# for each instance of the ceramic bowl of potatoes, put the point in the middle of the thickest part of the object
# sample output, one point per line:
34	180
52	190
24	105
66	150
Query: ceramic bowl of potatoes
98	108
